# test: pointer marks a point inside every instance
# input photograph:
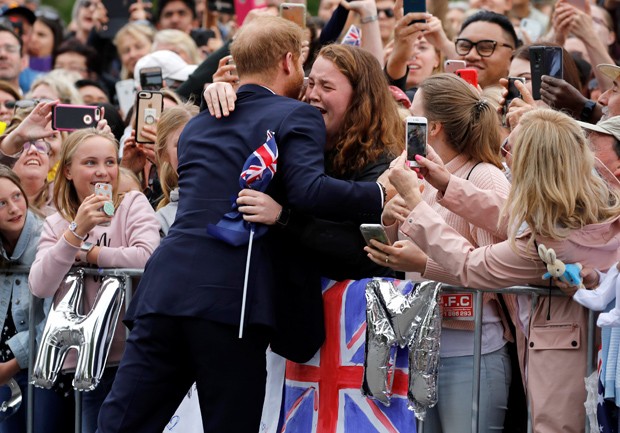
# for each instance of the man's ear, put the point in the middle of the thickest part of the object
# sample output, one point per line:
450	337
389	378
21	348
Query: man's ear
288	63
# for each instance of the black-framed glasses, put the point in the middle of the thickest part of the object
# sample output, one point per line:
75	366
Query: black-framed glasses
39	145
387	11
505	148
484	48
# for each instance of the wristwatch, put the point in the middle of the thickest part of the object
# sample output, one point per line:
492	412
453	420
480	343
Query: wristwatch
84	250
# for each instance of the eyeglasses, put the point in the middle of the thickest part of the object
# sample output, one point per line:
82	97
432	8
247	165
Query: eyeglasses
388	12
505	148
9	105
484	48
29	103
47	14
39	145
88	3
11	49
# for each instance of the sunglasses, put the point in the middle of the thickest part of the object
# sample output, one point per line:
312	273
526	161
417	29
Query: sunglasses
39	145
388	12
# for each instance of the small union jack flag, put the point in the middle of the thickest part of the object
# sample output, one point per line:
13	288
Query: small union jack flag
257	172
260	167
353	36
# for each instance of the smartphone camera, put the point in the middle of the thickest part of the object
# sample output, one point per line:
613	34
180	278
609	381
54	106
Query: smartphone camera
416	137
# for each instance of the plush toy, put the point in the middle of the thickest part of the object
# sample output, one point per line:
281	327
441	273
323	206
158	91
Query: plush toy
570	273
599	298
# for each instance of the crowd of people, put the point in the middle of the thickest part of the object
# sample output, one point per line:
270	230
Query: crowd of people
323	110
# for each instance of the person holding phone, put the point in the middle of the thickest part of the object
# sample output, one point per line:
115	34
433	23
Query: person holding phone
556	355
471	153
20	230
76	236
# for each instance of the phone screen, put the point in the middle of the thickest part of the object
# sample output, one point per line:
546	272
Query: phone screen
414	6
151	79
416	141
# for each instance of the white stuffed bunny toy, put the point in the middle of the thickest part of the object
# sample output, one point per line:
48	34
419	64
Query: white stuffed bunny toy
570	273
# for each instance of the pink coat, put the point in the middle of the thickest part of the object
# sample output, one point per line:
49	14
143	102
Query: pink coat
127	242
556	348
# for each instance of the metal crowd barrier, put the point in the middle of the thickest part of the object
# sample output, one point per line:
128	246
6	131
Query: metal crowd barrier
128	273
535	292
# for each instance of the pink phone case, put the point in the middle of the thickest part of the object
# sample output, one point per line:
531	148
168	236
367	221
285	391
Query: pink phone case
68	117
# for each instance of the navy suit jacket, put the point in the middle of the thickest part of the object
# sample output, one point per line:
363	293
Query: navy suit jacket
193	274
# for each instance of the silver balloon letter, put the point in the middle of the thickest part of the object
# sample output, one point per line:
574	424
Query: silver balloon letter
90	335
407	315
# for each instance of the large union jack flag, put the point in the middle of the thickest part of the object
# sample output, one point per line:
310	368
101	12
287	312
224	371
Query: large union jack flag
323	395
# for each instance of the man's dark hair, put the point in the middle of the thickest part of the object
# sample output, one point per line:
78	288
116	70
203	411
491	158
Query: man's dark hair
191	4
495	18
73	45
9	29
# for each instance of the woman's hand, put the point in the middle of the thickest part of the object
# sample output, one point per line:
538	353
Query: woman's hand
226	72
519	106
91	214
402	256
258	207
433	170
394	211
134	157
406	182
220	98
35	126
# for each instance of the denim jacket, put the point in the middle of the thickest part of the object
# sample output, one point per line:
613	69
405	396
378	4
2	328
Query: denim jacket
17	285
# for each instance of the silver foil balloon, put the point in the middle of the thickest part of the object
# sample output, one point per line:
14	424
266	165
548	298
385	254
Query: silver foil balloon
90	334
13	400
424	352
407	315
379	357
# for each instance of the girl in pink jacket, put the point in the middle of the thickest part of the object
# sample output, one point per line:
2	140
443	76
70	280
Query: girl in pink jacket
557	200
91	230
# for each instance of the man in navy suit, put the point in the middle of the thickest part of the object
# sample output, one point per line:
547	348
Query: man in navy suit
187	307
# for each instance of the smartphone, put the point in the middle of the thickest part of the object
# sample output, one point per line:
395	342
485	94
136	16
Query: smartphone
67	117
452	66
294	12
513	92
579	4
118	16
151	78
416	138
532	27
243	7
376	232
470	75
545	60
126	94
105	189
414	6
149	105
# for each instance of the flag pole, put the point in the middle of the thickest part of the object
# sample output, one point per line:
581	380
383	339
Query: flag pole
245	281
